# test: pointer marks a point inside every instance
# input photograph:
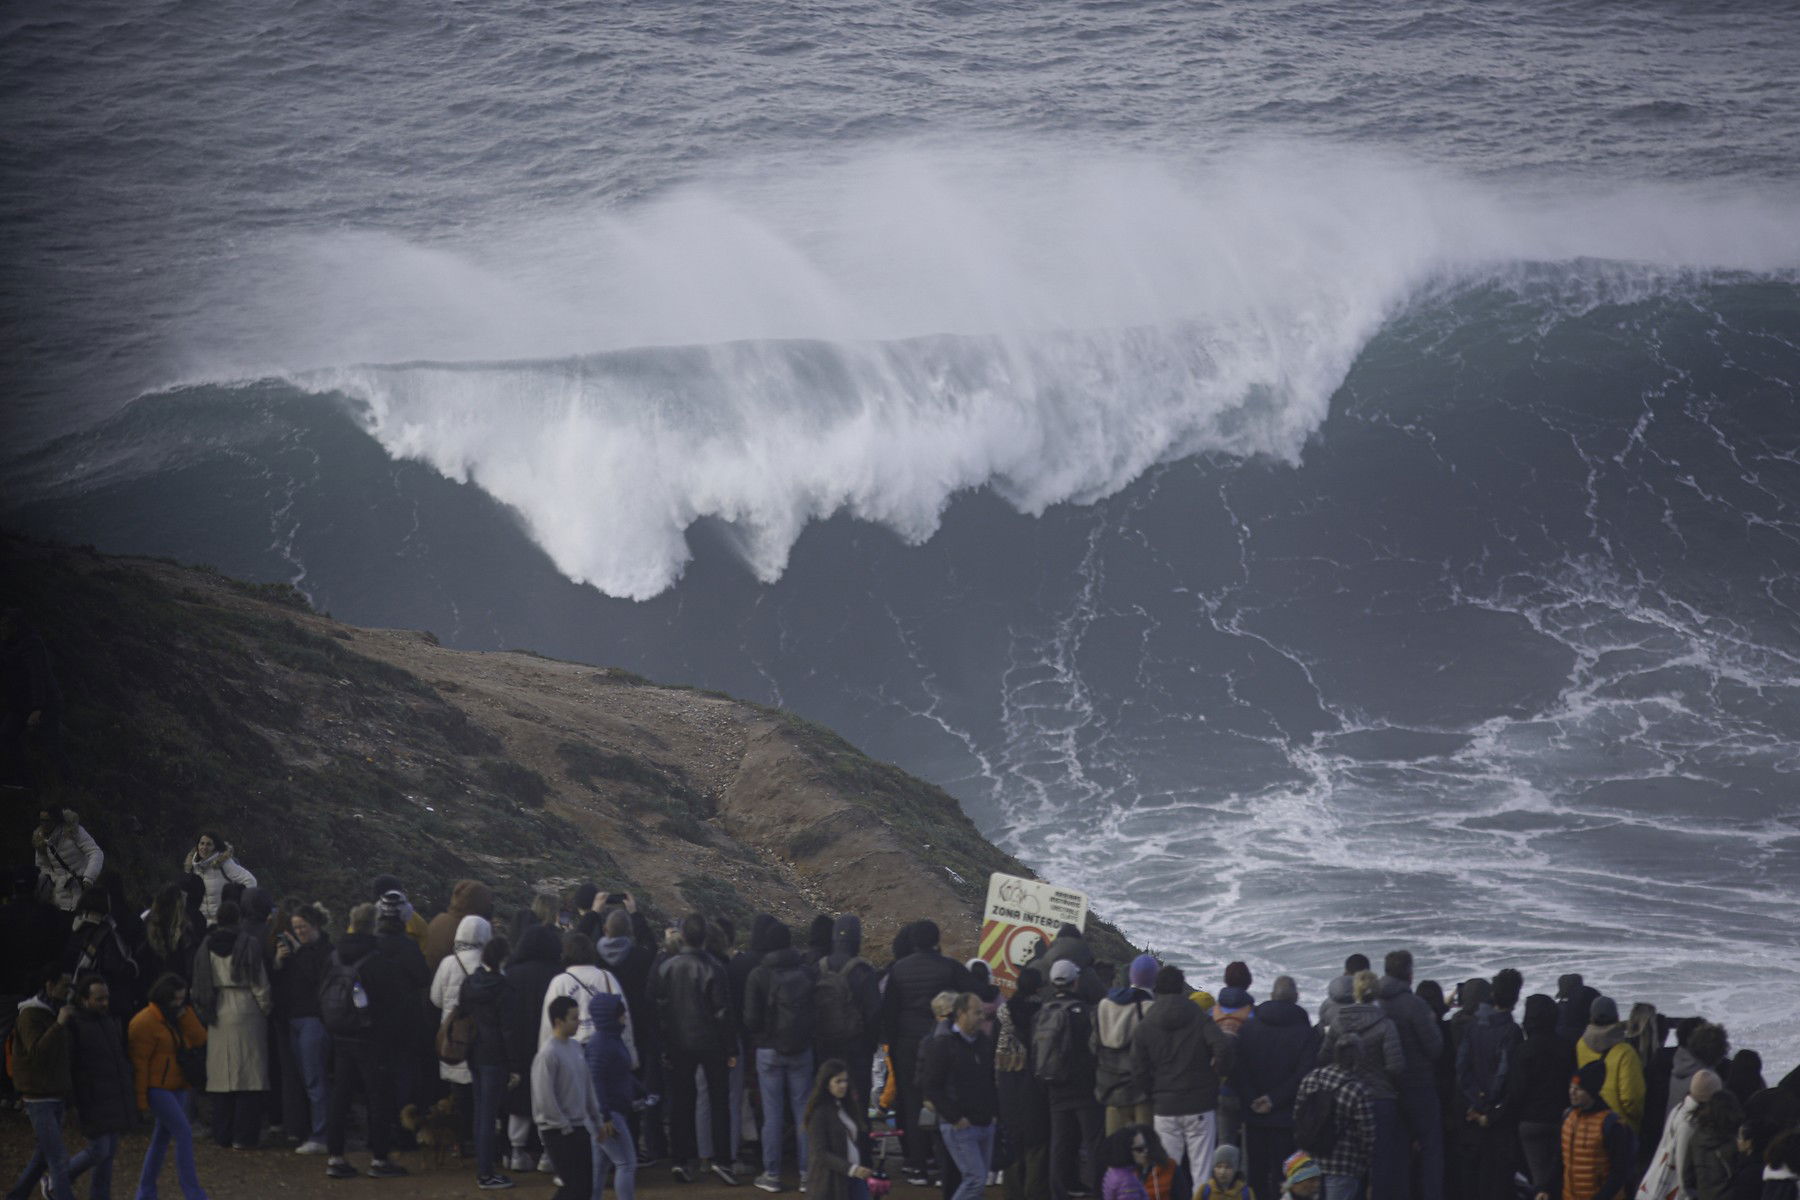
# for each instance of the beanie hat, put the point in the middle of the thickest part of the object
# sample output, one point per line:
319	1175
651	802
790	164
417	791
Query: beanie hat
1592	1077
1227	1156
1603	1011
1300	1167
1233	998
1064	971
1143	971
1237	975
391	905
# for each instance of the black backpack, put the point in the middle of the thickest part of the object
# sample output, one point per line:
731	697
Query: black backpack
1315	1122
1055	1049
840	1018
791	1005
343	1004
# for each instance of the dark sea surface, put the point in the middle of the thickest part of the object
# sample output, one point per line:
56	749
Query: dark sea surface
1316	476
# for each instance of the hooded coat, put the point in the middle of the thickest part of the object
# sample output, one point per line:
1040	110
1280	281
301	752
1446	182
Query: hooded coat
1681	1076
469	898
1338	992
1178	1056
1487	1065
484	998
1024	1101
1274	1053
1070	944
1421	1038
232	984
760	1014
1624	1088
1380	1060
455	969
69	858
1574	1000
912	982
105	1099
630	961
1116	1019
865	987
1546	1060
609	1062
215	871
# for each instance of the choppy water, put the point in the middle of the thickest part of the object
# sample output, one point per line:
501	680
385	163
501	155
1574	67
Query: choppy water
1316	476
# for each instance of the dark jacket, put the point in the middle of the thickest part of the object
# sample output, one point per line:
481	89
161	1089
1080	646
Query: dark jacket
1573	1005
395	978
912	982
297	981
828	1153
535	961
40	1051
1024	1101
483	997
1274	1053
958	1079
1546	1060
1070	944
759	993
630	961
1380	1059
1178	1056
1076	1091
105	1098
693	1004
1421	1040
1352	1119
1116	1019
865	987
1488	1079
609	1062
737	971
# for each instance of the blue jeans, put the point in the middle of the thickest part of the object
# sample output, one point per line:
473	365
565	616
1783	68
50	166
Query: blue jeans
785	1080
312	1048
972	1149
96	1156
171	1112
1388	1165
490	1096
1342	1187
620	1152
51	1156
859	1189
1422	1121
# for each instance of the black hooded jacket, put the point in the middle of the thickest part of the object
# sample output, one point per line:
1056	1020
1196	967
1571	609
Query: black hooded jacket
1546	1060
865	985
912	982
535	961
1178	1055
395	977
1275	1050
1574	1003
105	1098
762	940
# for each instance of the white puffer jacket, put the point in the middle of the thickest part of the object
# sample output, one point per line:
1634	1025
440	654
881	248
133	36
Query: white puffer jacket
215	871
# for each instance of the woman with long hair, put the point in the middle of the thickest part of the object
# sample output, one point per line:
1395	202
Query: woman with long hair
231	990
170	935
836	1138
166	1026
215	863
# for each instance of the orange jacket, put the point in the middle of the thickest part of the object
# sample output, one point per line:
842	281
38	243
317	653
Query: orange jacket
152	1043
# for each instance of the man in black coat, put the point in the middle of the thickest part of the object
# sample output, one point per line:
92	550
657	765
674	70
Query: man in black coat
859	978
1179	1055
692	997
1275	1051
906	1021
104	1096
958	1082
394	978
535	961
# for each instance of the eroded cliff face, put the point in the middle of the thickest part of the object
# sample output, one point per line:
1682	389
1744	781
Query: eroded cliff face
327	754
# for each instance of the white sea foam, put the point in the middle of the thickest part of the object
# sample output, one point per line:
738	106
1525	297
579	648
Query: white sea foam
877	335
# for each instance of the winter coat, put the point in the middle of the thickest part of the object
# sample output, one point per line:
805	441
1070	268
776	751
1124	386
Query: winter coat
152	1041
1380	1061
1338	992
1711	1162
1116	1018
737	971
609	1062
1545	1063
1178	1056
912	982
1421	1040
693	1005
1623	1091
453	970
828	1152
69	860
759	994
585	981
865	987
483	997
394	977
469	898
1122	1183
1024	1101
958	1080
1682	1069
1075	948
40	1051
1487	1065
536	960
298	976
1274	1053
237	1040
630	962
1572	1011
215	871
102	1075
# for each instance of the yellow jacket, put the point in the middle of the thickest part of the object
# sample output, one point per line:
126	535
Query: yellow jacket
1624	1087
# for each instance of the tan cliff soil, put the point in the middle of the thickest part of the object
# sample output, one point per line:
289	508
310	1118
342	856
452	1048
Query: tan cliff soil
327	753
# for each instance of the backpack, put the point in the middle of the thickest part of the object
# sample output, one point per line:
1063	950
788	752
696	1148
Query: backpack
343	1004
840	1018
1053	1042
456	1035
791	996
1315	1123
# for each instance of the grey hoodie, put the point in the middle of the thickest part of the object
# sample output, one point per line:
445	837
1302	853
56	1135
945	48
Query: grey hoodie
1380	1059
1681	1076
1339	992
1420	1036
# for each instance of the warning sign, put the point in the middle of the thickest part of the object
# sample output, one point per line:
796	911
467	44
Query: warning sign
1020	914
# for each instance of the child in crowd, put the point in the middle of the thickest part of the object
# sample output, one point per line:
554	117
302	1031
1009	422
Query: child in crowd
1226	1182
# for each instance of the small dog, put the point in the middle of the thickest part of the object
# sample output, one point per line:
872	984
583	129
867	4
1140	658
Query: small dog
435	1128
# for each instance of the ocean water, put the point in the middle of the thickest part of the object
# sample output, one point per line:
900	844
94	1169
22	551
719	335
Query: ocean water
1318	477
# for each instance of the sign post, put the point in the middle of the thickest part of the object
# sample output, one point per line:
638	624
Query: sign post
1020	914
